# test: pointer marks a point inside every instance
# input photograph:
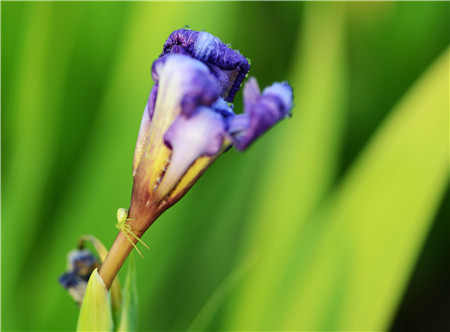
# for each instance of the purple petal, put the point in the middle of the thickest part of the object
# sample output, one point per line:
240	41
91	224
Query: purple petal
283	91
251	92
202	132
203	91
228	65
190	138
75	285
152	101
69	279
82	262
183	84
262	111
192	83
223	108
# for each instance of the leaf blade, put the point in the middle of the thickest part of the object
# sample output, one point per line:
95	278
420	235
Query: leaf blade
95	313
128	318
370	233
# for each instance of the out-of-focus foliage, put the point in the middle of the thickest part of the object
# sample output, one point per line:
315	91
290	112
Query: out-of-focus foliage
129	316
318	226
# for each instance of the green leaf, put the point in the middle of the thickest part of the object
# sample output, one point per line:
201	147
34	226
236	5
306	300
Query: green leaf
346	266
217	298
115	291
128	319
355	258
95	313
301	168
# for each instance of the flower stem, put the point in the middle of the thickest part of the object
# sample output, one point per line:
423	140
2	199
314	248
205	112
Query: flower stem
124	244
119	251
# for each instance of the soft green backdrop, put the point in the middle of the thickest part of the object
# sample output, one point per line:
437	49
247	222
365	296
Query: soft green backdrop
317	227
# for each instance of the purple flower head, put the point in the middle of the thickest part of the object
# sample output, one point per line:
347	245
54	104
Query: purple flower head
189	119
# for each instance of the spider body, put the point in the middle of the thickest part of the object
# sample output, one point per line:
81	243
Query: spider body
122	218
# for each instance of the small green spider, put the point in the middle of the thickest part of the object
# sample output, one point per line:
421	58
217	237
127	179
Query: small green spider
122	218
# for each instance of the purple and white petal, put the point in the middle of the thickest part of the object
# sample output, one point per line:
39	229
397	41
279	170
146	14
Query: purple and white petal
183	83
229	66
262	111
284	91
189	138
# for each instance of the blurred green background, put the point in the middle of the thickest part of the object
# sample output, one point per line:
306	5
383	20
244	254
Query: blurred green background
335	220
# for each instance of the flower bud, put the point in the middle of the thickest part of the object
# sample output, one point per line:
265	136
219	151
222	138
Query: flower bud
189	119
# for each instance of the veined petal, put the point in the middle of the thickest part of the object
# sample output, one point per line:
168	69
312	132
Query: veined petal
228	65
183	84
262	111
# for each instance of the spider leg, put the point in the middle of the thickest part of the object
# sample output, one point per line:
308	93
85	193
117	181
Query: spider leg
124	230
130	231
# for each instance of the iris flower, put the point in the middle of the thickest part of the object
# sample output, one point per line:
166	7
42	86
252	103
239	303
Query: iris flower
188	122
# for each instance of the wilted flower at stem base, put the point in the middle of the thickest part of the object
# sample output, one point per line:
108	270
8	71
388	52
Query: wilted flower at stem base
189	120
80	264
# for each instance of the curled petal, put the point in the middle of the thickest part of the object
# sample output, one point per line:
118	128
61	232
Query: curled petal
228	65
282	91
262	111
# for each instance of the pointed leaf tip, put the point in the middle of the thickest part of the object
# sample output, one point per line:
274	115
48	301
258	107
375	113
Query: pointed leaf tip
95	313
